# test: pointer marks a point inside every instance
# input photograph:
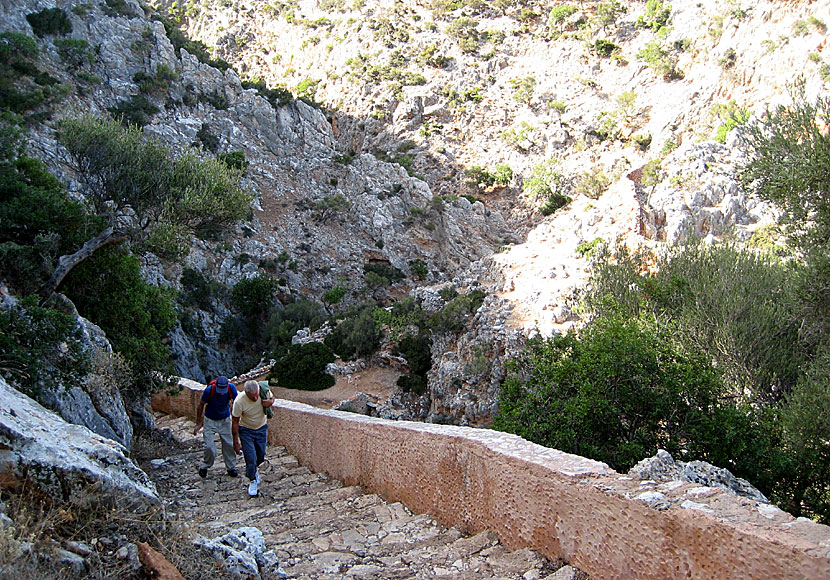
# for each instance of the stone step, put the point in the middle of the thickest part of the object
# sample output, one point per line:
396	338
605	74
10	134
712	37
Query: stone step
321	529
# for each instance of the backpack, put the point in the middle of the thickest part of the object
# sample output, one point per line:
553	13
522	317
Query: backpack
212	385
263	391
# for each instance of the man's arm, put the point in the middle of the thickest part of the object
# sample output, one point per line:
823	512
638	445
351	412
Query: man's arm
199	420
269	401
237	446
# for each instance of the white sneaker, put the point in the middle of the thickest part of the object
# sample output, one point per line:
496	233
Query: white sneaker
258	480
252	488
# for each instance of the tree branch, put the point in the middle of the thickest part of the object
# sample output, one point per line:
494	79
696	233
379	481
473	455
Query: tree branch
69	261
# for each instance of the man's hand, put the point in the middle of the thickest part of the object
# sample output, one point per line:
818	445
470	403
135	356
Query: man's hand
237	446
196	428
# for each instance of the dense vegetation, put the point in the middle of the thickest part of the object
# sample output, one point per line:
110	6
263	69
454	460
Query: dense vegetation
135	193
711	352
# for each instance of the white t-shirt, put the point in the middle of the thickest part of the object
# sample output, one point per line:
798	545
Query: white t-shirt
250	413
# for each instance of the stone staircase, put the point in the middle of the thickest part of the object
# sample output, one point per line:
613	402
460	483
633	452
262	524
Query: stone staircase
321	529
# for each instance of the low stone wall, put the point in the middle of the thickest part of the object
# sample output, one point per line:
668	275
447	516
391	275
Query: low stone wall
561	505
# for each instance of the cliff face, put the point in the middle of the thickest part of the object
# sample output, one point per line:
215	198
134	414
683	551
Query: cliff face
415	94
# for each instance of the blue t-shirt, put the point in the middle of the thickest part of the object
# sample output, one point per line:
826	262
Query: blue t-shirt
218	406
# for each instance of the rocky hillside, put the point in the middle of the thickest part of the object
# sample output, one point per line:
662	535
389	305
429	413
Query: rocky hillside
436	138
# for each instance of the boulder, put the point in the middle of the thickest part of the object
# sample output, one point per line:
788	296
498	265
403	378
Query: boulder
662	467
67	462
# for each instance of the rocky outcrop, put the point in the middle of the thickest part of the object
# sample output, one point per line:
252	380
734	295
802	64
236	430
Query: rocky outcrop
94	402
663	468
65	461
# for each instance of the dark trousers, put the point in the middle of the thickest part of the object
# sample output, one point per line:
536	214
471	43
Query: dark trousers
253	448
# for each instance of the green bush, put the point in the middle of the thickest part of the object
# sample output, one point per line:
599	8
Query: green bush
134	112
388	273
74	51
456	314
303	367
40	346
604	47
656	16
207	139
234	160
618	393
592	183
50	21
661	60
115	8
197	289
109	290
356	336
465	32
544	179
523	89
554	202
253	297
419	269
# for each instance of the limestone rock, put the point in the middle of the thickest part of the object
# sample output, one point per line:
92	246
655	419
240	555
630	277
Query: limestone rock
68	462
662	467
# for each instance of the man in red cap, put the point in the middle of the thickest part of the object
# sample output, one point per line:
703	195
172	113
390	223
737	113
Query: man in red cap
214	412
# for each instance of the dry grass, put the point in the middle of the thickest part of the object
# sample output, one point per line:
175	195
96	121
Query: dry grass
47	527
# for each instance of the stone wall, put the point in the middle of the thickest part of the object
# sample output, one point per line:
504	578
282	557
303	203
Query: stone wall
559	504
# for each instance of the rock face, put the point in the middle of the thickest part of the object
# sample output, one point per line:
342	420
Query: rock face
95	404
410	108
67	462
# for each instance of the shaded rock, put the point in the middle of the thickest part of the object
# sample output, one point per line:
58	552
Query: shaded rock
662	467
68	462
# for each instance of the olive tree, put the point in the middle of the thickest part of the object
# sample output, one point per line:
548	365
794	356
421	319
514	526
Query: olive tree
146	195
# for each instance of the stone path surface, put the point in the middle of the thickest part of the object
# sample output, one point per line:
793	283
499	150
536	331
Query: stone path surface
320	529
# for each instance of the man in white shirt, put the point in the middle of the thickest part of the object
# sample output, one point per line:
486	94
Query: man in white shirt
250	429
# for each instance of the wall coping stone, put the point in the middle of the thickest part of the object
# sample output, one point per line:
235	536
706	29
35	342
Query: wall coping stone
562	505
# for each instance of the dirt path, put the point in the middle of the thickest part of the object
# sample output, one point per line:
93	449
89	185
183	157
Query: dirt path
376	381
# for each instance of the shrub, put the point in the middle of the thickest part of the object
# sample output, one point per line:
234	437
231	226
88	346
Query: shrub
109	290
74	51
642	141
592	183
554	202
455	315
134	112
465	32
656	16
416	349
587	249
419	269
253	297
197	289
617	393
278	96
234	160
50	21
544	179
607	13
115	8
559	13
605	47
523	89
38	346
207	139
331	206
662	61
387	273
285	322
733	116
335	295
355	337
303	367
